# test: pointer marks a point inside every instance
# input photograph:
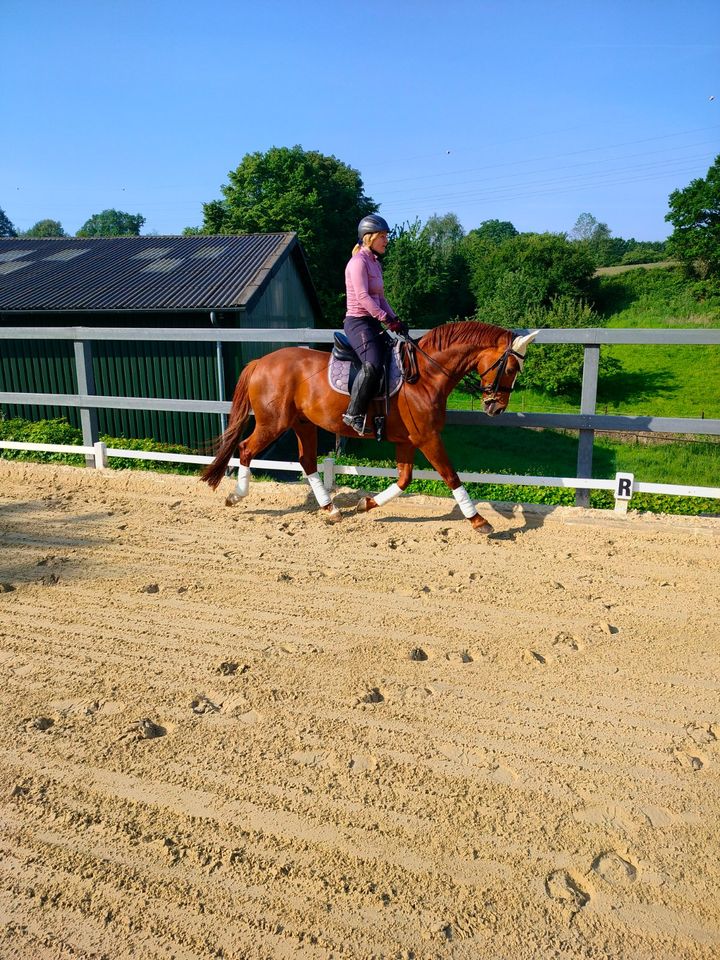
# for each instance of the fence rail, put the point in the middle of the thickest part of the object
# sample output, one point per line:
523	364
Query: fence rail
586	422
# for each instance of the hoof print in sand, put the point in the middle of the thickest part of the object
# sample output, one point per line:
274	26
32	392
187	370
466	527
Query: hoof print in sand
202	705
373	695
6	588
702	733
614	869
690	761
567	643
534	658
414	694
229	668
563	888
419	655
143	729
150	588
39	723
459	656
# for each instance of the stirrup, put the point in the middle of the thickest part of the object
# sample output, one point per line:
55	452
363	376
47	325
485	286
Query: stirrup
356	423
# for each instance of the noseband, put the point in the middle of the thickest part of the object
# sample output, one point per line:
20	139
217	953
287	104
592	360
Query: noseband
500	366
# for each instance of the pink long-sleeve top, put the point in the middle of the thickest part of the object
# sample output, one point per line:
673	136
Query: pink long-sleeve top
365	288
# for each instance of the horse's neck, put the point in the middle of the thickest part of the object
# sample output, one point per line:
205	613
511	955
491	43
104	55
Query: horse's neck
451	364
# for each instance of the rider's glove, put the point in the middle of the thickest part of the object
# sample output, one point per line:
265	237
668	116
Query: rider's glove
397	326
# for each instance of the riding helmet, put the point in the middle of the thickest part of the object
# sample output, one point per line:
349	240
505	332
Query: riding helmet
373	223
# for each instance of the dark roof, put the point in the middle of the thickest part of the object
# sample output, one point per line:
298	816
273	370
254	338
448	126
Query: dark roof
142	273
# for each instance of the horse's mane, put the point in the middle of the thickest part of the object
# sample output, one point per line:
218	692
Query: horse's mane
464	331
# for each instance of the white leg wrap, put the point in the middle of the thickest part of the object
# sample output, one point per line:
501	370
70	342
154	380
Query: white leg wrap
316	484
242	488
464	502
392	491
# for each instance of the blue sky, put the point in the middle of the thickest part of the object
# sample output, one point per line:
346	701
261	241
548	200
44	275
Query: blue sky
532	112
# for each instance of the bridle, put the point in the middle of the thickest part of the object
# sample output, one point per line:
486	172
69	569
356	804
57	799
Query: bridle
500	365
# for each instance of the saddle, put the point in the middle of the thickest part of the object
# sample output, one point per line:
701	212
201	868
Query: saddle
344	364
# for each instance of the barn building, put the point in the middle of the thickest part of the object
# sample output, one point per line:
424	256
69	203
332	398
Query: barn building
250	280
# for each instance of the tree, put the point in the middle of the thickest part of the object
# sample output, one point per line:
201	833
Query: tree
558	367
412	283
6	227
494	231
605	249
317	196
426	276
528	271
695	216
444	233
46	228
112	223
586	227
644	251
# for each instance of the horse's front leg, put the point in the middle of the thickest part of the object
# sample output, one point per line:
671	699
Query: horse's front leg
434	450
306	434
405	454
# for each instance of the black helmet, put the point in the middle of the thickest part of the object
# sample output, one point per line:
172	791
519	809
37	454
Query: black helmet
373	223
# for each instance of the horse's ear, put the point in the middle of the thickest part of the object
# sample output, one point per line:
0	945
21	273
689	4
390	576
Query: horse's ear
520	344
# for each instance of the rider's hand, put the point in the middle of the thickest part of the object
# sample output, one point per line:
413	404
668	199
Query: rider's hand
396	326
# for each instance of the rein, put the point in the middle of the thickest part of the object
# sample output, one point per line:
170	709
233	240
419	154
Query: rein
409	360
411	373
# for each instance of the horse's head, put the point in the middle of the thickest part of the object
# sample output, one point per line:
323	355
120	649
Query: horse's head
498	379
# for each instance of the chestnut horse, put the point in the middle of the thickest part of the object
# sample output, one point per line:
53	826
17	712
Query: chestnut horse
289	389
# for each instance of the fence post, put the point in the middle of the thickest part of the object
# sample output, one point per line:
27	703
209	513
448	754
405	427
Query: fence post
328	473
220	370
100	458
588	399
86	385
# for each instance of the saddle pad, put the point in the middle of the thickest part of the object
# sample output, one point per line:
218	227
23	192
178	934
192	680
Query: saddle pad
339	374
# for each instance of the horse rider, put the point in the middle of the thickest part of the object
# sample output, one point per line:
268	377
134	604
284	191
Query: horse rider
369	315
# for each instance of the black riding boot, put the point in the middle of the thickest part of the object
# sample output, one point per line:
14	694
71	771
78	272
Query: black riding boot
363	390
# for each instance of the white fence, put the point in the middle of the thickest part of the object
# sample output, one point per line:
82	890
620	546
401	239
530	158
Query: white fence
586	422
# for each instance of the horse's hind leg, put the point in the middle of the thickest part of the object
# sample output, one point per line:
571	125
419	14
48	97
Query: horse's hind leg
306	434
261	437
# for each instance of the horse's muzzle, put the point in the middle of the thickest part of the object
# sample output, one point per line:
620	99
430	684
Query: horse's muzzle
493	407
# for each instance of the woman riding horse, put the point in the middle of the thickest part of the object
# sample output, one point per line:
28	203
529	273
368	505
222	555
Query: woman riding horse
289	389
368	315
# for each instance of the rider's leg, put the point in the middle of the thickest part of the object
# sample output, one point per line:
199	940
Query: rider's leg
368	341
363	390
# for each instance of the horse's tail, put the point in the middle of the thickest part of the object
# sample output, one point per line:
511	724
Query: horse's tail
230	439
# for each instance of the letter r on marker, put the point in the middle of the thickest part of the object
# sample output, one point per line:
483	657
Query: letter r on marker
623	485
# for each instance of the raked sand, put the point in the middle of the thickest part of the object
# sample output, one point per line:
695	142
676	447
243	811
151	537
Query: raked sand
243	733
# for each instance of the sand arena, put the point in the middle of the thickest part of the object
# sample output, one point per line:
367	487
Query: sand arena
247	734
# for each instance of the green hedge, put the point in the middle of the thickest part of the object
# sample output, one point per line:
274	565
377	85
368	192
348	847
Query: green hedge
60	431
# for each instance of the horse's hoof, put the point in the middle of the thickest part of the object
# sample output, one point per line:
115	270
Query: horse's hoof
232	499
330	514
480	525
365	504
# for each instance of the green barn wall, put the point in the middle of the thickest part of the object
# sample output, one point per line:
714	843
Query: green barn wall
150	369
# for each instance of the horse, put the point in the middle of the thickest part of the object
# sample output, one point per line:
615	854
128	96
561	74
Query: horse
289	389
